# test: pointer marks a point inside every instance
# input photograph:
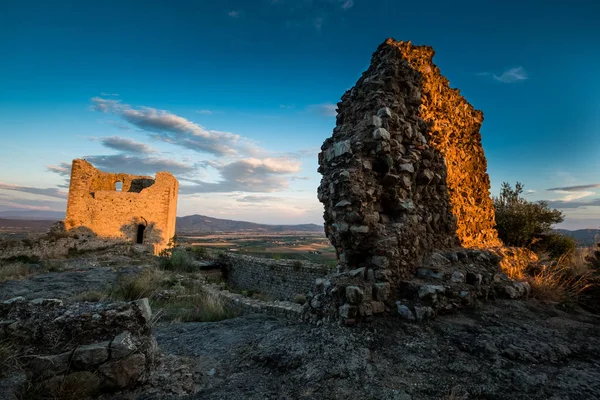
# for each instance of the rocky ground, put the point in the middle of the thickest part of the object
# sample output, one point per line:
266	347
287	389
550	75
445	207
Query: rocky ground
507	349
502	349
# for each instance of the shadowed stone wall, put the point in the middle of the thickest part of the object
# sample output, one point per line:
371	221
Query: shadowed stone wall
95	203
280	279
404	171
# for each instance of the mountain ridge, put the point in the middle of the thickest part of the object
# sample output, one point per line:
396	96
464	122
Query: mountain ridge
189	223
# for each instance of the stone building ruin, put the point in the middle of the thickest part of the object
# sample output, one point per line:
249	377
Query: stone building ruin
404	177
143	211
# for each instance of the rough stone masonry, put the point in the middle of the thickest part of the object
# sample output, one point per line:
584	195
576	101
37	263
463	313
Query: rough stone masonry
404	172
143	211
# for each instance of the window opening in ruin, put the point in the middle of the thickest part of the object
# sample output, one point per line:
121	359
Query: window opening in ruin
140	233
119	186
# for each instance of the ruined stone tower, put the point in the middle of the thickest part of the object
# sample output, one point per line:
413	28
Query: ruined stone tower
404	172
143	211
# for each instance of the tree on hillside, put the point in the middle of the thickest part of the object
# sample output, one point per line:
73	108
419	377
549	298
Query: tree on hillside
523	223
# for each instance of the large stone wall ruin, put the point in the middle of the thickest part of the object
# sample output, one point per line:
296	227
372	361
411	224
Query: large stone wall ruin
404	172
407	197
144	211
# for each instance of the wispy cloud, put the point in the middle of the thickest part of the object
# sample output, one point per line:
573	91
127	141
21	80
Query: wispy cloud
325	109
512	75
258	199
139	165
50	192
346	4
171	128
63	169
205	112
247	175
563	204
235	13
29	204
126	145
109	94
575	188
318	23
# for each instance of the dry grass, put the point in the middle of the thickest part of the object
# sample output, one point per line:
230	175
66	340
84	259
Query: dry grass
8	357
81	385
563	280
92	296
197	305
14	270
137	287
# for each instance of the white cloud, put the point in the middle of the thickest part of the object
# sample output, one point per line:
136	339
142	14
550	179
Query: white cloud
205	112
50	192
258	199
325	109
570	196
143	165
575	188
247	175
318	23
172	128
347	4
512	75
234	13
126	145
63	169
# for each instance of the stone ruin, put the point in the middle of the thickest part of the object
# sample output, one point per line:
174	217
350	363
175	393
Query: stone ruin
143	211
92	348
404	179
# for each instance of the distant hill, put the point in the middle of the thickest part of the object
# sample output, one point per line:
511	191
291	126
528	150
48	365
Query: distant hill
202	223
36	220
33	214
28	225
585	237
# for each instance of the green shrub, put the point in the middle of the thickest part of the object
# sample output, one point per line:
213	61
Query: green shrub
199	252
72	252
520	222
554	244
23	259
300	299
182	261
297	265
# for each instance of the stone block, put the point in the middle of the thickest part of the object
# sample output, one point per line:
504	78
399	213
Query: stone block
404	312
85	357
377	307
123	345
382	291
123	373
354	294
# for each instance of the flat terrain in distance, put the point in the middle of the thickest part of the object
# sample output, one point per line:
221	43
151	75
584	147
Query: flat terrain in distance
309	246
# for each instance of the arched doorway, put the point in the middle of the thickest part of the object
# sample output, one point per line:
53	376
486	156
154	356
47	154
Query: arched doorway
140	233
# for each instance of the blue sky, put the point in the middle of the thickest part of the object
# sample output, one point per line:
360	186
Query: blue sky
236	97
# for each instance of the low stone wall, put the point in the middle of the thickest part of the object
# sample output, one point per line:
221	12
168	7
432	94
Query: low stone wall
89	347
280	279
243	305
